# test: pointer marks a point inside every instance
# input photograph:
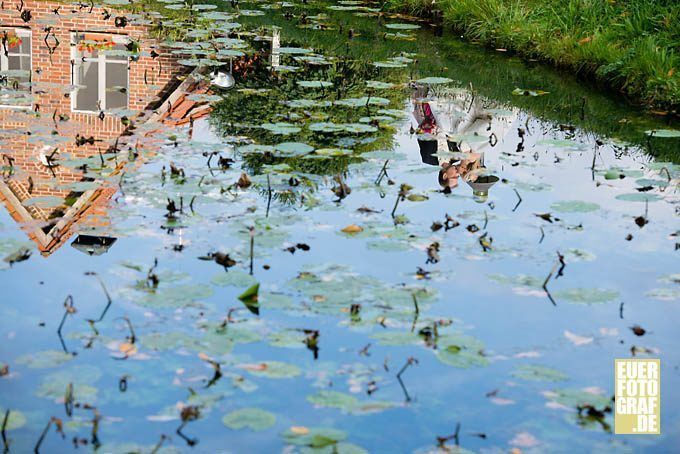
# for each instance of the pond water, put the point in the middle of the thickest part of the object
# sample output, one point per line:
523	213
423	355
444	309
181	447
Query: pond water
290	269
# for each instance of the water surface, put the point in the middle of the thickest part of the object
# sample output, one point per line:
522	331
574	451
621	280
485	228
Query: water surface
374	328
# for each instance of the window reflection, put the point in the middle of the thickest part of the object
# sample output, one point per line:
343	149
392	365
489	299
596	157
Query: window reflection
101	72
15	66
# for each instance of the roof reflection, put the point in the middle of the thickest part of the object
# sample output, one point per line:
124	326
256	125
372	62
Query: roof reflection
76	83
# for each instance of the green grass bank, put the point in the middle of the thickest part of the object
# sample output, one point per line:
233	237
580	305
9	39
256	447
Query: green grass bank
632	46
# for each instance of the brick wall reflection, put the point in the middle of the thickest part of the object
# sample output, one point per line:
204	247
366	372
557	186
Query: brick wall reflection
47	123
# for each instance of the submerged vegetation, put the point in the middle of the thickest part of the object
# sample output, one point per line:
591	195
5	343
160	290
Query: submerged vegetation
630	45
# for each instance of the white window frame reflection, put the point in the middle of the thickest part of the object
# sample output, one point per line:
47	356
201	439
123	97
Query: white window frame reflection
24	34
101	60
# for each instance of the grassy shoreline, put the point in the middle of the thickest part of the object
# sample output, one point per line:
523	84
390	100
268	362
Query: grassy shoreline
632	46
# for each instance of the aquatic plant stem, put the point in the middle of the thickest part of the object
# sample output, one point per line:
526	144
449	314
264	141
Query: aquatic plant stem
519	201
545	284
252	247
269	195
396	203
410	361
5	442
68	309
382	173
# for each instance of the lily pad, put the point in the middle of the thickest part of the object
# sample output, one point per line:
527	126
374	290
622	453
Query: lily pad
314	437
396	338
663	294
44	359
250	298
333	399
378	85
402	26
272	369
48	201
586	295
577	397
434	80
639	197
462	351
664	133
292	149
251	418
235	278
281	128
16	419
539	373
529	92
574	206
81	377
314	83
362	102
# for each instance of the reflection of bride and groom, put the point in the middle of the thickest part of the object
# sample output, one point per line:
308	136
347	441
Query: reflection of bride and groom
448	128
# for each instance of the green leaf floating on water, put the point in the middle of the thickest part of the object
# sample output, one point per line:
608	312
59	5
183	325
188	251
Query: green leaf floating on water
235	278
44	359
434	80
651	182
396	338
288	338
347	403
522	280
417	197
613	175
379	85
330	127
389	64
402	26
281	128
663	294
586	295
639	197
272	369
292	149
333	152
172	296
462	351
334	399
574	206
388	246
575	397
294	50
538	373
562	143
48	201
314	437
361	102
527	92
250	298
307	103
314	83
250	418
82	377
16	419
665	133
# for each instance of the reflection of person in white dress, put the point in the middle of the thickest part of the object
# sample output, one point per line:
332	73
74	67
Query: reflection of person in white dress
446	126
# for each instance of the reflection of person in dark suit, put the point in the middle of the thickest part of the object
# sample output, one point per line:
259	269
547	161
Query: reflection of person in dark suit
428	151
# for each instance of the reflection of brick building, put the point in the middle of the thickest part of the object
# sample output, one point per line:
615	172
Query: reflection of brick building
70	75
